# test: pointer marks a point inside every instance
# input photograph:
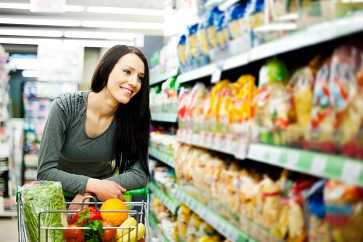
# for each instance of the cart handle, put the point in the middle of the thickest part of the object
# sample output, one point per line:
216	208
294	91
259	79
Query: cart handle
133	192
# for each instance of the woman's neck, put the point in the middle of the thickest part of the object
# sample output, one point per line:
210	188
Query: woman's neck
102	104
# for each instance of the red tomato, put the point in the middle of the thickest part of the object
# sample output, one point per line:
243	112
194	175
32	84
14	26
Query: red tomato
72	218
108	234
73	234
94	214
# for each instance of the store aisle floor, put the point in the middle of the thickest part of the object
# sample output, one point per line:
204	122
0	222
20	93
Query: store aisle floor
8	230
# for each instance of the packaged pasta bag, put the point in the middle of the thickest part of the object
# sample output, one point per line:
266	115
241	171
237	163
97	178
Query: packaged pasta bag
193	45
220	23
244	91
318	230
211	28
347	98
237	25
344	211
216	103
301	86
182	53
321	127
183	106
204	47
198	94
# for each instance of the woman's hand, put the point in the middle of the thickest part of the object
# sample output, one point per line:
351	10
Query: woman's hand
104	189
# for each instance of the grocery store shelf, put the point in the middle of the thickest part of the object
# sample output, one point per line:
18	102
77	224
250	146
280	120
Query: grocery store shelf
237	148
162	78
154	224
197	73
7	214
170	202
317	33
314	163
162	156
165	117
217	222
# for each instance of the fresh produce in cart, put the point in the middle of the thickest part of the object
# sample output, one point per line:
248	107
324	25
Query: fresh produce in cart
108	224
39	197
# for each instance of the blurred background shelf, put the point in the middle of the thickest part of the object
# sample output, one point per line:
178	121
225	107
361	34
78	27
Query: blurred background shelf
319	164
167	199
161	156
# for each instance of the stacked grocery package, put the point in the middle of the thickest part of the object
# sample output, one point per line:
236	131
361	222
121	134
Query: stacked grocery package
267	145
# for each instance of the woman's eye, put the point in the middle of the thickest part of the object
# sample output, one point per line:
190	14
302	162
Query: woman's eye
128	72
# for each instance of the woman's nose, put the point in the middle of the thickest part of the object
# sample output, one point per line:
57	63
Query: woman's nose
133	80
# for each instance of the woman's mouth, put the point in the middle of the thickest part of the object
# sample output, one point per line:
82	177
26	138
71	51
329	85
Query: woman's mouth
127	90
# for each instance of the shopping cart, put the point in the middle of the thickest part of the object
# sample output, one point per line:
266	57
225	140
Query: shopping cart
137	209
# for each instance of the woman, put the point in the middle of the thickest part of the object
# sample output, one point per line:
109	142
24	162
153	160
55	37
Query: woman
87	131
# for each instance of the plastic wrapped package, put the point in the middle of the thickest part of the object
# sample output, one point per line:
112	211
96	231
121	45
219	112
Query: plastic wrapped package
203	44
273	103
301	85
344	211
43	197
211	29
183	218
239	29
337	115
347	98
220	23
183	53
193	46
183	106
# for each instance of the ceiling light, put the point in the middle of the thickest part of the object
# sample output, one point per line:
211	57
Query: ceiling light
126	11
30	73
27	6
122	25
40	21
99	35
98	43
15	5
31	32
83	42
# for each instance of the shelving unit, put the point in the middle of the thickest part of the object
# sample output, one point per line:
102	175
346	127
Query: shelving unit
321	165
161	156
162	78
314	163
164	117
317	33
167	199
217	222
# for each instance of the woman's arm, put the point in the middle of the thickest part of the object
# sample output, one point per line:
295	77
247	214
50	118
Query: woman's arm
50	150
133	178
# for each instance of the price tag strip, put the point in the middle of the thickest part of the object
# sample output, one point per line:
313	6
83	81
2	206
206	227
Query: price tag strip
314	163
171	203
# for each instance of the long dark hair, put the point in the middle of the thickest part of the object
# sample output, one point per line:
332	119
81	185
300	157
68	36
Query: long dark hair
131	138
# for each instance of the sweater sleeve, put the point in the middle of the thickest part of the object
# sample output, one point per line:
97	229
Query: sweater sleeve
133	178
50	152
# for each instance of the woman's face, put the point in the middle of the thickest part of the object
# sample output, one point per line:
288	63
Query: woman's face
126	77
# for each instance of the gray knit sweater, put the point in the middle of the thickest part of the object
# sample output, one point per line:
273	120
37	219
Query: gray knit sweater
68	155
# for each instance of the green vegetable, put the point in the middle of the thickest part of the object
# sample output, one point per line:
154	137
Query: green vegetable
40	197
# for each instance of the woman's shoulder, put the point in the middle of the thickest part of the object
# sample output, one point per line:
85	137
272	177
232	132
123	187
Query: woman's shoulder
72	102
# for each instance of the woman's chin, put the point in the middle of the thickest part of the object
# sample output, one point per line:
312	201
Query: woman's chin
123	100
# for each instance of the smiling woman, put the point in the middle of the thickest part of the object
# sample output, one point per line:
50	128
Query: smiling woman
87	131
